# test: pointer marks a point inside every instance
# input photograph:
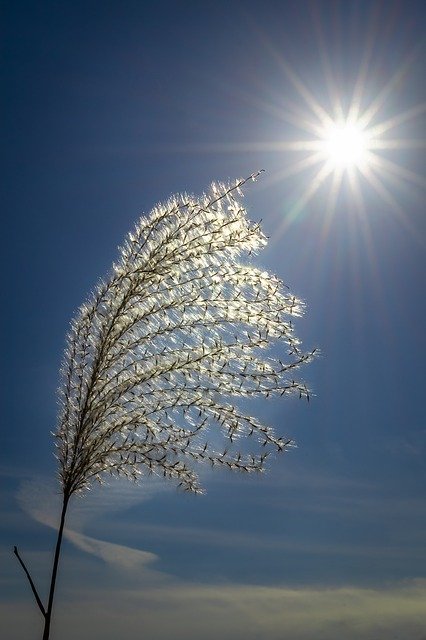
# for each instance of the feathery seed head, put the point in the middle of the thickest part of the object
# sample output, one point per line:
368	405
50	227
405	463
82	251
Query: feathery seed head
155	356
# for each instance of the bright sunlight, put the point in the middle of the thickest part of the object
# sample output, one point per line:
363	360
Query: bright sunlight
350	140
345	145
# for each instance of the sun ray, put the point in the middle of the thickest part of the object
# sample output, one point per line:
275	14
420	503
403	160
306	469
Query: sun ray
302	165
391	123
356	191
368	115
309	99
313	104
315	184
364	224
335	97
361	81
397	143
369	247
290	114
377	184
294	169
330	209
395	170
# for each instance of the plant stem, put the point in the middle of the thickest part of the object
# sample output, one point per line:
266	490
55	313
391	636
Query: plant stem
48	613
30	580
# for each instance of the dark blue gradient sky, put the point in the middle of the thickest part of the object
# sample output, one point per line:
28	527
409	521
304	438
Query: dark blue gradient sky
110	107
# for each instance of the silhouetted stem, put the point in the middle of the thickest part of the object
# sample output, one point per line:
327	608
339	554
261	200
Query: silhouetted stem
48	613
30	580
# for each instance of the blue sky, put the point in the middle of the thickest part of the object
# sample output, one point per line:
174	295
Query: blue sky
109	108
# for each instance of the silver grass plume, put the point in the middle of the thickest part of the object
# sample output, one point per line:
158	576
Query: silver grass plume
160	349
180	328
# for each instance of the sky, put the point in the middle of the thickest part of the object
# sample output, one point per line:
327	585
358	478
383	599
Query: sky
110	107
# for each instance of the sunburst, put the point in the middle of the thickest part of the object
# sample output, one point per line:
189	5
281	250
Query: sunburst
348	146
340	147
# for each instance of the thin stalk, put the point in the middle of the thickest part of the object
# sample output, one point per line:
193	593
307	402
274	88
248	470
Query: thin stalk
48	614
30	580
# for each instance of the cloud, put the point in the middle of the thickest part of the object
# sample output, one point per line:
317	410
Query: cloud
240	612
39	500
117	554
164	608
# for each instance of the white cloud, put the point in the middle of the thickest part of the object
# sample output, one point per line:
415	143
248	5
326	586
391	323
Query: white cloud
39	500
117	554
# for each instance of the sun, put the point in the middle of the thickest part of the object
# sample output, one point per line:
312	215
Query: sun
347	136
345	145
345	149
348	140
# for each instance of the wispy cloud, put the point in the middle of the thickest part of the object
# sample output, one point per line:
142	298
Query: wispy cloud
117	554
39	500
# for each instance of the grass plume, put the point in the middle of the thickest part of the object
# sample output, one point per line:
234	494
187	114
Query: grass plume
155	357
